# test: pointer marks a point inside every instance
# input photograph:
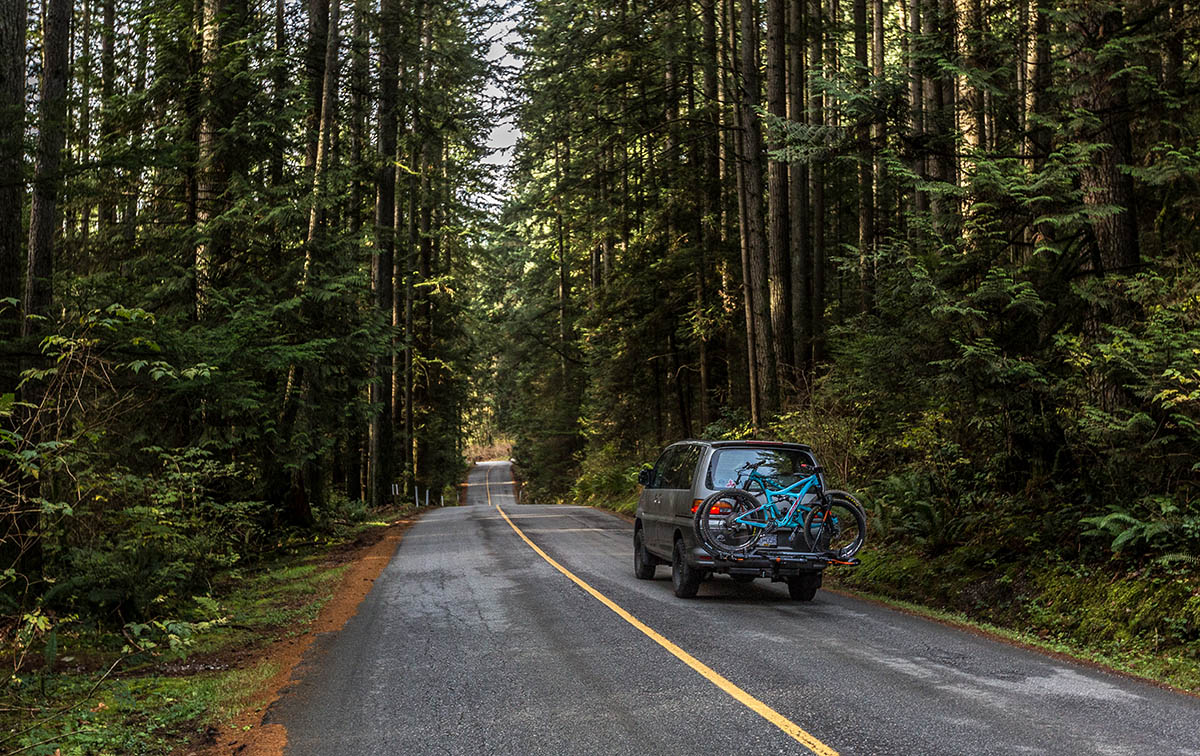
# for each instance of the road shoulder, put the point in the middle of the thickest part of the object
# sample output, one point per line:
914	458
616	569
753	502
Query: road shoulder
244	733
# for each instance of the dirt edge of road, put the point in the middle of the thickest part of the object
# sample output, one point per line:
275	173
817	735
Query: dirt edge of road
247	735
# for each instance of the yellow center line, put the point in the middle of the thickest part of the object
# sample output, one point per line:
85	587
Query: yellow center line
758	707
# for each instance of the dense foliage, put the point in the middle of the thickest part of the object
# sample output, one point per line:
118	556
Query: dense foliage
975	274
262	226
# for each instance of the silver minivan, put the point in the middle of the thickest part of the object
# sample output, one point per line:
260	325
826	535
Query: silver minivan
684	475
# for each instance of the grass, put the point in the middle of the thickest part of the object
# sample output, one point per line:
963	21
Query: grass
152	703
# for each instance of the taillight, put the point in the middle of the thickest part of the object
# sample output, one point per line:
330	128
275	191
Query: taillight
720	508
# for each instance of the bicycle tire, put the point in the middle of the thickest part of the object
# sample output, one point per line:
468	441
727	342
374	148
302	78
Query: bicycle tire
837	526
714	530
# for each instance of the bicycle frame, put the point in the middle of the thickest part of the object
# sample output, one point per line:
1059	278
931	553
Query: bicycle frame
772	518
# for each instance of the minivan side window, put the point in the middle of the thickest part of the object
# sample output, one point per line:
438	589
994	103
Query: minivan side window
662	468
683	467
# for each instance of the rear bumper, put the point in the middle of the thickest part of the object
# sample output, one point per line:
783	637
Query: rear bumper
774	563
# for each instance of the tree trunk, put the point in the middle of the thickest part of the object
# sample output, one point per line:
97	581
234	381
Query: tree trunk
359	47
916	99
107	215
410	262
879	207
329	87
314	63
1037	96
1104	94
740	161
798	225
764	339
399	273
562	162
866	184
817	108
777	188
12	183
137	122
83	64
210	173
381	263
279	73
47	180
968	26
710	223
939	107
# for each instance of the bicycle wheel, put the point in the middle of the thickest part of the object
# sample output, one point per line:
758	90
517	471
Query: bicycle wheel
717	525
838	526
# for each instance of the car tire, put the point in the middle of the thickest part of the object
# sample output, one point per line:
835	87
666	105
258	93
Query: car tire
644	564
803	587
684	577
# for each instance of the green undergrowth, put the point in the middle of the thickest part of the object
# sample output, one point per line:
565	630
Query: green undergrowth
98	693
1144	622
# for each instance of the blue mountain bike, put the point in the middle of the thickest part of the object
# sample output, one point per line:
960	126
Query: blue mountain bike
737	522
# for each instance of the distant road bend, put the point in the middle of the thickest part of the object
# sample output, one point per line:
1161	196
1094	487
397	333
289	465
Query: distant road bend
500	628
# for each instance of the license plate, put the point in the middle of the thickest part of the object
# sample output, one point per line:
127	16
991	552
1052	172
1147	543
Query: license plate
767	541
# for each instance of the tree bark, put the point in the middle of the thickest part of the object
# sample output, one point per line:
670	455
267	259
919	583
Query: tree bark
798	224
939	106
752	219
866	184
107	216
314	63
878	123
358	88
83	64
817	109
1037	95
380	442
710	219
13	19
410	262
1104	95
210	169
777	188
754	393
914	49
968	22
329	87
137	122
279	73
47	180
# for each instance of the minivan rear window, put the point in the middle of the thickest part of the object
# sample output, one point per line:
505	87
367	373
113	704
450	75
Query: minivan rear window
729	466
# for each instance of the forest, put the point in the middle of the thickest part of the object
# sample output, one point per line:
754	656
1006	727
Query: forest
236	245
260	274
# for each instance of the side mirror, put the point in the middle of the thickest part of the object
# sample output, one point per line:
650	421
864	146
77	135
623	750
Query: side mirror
645	476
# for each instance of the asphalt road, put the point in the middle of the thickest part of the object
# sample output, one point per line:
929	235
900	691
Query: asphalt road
472	643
